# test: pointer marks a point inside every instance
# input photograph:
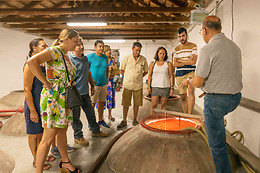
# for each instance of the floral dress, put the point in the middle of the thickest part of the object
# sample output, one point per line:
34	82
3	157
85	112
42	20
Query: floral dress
110	102
110	90
54	111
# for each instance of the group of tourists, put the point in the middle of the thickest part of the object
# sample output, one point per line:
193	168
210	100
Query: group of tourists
47	116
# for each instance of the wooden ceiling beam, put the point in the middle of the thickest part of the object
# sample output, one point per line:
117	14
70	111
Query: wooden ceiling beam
142	2
125	38
125	26
90	10
152	37
157	3
126	19
120	35
7	3
130	38
178	3
117	19
31	4
59	4
53	0
155	31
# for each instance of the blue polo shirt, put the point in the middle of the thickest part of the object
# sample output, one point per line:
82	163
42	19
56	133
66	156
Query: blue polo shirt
98	67
82	66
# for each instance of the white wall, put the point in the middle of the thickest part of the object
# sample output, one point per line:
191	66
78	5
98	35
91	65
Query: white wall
247	36
148	50
14	47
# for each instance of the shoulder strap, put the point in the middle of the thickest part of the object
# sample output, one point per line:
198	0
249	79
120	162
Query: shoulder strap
64	63
153	66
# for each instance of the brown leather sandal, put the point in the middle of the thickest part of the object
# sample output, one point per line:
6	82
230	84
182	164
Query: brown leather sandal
111	118
66	170
50	158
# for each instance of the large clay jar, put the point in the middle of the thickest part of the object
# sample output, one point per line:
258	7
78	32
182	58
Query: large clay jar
145	149
7	162
14	126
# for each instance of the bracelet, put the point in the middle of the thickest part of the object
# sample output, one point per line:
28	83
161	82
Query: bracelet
92	86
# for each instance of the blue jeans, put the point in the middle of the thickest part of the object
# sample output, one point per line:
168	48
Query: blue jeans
216	106
90	114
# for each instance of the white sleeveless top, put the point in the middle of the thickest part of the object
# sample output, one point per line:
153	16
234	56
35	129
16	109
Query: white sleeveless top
160	76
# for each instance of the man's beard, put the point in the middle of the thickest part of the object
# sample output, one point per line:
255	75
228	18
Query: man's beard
183	41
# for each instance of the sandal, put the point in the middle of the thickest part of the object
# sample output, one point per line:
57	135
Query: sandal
66	170
45	166
50	158
111	118
122	125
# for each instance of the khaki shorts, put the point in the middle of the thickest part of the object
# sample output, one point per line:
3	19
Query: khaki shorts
180	79
100	94
127	96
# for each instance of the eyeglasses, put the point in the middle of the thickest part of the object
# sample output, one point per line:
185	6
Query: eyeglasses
200	32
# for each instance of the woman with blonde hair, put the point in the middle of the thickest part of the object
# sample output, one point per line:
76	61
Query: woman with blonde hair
54	113
160	79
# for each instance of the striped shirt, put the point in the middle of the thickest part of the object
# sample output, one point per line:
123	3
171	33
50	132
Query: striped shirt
184	51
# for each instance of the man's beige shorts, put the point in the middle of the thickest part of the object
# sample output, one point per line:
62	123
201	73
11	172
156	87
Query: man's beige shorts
127	96
180	79
100	94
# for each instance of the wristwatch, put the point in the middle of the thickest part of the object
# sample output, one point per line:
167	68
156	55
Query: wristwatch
188	80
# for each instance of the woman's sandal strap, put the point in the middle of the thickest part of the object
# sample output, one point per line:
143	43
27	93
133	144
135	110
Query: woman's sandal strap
65	162
75	171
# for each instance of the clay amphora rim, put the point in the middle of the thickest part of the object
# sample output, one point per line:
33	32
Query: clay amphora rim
162	116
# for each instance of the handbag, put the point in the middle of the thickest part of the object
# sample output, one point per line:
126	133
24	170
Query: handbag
73	97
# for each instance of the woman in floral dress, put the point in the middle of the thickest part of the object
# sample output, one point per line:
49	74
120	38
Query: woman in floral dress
110	103
55	114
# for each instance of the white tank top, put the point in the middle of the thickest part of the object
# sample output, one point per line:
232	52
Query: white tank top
160	76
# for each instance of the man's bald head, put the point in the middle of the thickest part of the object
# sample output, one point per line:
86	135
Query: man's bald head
212	22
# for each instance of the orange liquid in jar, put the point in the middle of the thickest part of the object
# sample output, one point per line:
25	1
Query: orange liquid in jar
173	124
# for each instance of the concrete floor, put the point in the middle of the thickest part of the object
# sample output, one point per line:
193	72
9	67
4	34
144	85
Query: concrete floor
83	157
